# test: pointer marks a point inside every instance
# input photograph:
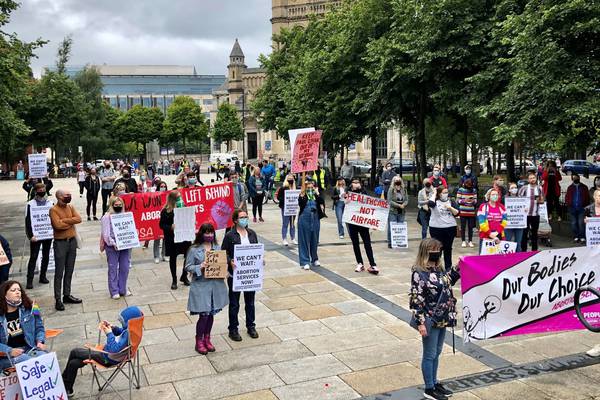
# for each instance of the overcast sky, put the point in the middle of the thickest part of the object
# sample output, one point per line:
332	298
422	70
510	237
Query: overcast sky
181	32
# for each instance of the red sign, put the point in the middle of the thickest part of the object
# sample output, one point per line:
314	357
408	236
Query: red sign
306	152
214	204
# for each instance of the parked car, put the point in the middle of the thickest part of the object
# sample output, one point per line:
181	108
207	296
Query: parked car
361	167
99	164
527	165
580	167
408	165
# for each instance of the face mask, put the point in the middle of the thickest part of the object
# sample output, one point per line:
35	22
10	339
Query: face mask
40	194
162	189
436	173
142	178
513	191
107	166
243	222
15	303
500	183
208	238
576	181
443	197
428	185
494	197
388	168
397	184
290	181
468	171
310	192
120	193
434	256
66	199
118	209
192	181
234	180
125	174
180	203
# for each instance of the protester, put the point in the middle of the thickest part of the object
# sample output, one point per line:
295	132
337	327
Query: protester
107	176
128	181
92	188
117	340
436	178
310	213
551	178
442	224
267	172
207	297
471	176
514	234
172	249
347	172
424	213
320	178
256	189
398	202
355	230
492	219
536	197
287	221
339	194
499	186
145	185
595	187
64	217
5	269
239	234
576	199
81	175
29	186
118	189
240	192
434	308
118	260
466	198
40	200
386	178
22	333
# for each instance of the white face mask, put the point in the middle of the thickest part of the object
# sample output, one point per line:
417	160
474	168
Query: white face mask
444	197
513	191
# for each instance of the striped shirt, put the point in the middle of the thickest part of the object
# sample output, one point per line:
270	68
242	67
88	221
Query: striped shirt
532	193
466	199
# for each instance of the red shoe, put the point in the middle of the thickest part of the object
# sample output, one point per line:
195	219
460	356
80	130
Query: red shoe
209	346
373	270
254	220
200	346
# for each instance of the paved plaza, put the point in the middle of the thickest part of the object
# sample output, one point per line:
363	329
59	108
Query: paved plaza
329	333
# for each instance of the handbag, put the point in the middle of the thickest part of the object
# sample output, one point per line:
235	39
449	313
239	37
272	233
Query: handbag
414	322
78	238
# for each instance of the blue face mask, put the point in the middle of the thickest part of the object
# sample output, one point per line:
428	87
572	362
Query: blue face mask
243	222
192	181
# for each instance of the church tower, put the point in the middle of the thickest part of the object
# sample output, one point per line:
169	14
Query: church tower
235	70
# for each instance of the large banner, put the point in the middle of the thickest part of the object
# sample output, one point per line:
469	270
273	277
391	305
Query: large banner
523	293
214	204
367	211
37	165
516	212
306	152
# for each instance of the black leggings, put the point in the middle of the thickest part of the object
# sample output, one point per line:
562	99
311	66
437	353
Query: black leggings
533	225
354	231
257	202
173	267
105	196
464	223
81	186
446	236
75	362
91	201
552	204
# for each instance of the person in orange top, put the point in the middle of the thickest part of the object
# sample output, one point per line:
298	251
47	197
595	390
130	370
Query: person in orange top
64	217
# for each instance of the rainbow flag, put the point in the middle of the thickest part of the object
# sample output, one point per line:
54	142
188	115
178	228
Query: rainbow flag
35	309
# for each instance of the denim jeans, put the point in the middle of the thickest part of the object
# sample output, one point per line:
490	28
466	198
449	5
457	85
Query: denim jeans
577	225
309	227
158	251
515	235
285	222
393	218
339	214
424	218
433	344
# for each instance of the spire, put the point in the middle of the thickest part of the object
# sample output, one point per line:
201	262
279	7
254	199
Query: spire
237	50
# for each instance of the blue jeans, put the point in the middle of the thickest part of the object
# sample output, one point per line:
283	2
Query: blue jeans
515	235
393	218
424	218
29	353
577	225
339	214
433	344
308	234
288	221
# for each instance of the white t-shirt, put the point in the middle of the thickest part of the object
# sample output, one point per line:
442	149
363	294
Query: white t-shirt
244	239
441	216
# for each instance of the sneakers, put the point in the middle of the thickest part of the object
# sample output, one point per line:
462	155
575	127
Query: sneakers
576	240
254	220
294	241
127	294
582	240
595	352
306	267
285	243
463	244
260	219
471	244
359	268
317	263
116	296
373	270
433	394
441	389
341	236
156	260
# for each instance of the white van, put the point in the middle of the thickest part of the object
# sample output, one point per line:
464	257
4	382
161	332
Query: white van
226	159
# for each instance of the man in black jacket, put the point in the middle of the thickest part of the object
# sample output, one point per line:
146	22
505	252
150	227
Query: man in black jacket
28	185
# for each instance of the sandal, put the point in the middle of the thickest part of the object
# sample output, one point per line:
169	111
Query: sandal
373	270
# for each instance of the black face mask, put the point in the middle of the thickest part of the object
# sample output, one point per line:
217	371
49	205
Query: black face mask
40	194
434	256
118	209
66	199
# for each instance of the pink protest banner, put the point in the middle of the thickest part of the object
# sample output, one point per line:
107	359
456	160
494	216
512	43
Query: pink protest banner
306	152
522	293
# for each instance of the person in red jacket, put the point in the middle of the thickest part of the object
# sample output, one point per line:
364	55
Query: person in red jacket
551	184
578	197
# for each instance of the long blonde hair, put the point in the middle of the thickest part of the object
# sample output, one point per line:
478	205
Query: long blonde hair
112	202
427	245
287	185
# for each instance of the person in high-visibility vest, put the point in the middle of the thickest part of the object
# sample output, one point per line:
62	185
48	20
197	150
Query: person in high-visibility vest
319	177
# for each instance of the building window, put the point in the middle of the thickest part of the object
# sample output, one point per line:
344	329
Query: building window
207	102
382	147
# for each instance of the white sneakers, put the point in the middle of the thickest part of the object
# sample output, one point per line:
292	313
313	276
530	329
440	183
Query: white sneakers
595	352
463	244
306	267
156	260
128	293
359	268
116	297
317	263
285	243
471	244
341	236
294	241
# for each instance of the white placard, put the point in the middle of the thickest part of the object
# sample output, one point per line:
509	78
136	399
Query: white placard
9	387
37	166
592	232
367	211
126	234
40	378
489	246
399	235
543	212
516	212
291	206
249	270
40	222
51	262
185	224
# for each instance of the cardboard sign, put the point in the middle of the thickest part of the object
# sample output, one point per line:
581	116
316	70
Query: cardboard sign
51	262
124	229
291	205
306	152
543	212
489	246
516	212
367	211
185	224
40	378
37	166
216	264
3	257
40	222
592	232
248	275
9	387
399	235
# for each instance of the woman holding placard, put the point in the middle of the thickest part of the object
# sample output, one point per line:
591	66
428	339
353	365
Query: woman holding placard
398	199
492	219
118	260
442	223
287	220
365	234
514	234
172	249
207	296
309	223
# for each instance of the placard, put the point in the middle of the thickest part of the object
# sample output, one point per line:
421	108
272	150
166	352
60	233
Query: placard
293	134
248	274
290	204
592	232
37	165
3	257
489	246
40	378
516	212
41	225
9	387
216	264
399	235
306	152
185	224
126	235
543	213
367	211
51	262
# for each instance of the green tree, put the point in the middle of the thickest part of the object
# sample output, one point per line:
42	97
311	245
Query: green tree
140	125
228	126
184	121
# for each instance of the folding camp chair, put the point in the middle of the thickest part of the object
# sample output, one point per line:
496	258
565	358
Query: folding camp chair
128	367
51	334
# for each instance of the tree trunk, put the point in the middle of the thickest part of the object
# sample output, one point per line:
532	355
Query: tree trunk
510	161
465	142
373	155
184	149
421	138
341	155
332	176
400	149
475	160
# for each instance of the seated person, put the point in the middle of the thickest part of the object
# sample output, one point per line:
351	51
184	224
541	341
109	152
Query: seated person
117	339
22	333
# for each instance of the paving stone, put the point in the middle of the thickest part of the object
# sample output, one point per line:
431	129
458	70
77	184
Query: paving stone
453	365
346	340
380	354
260	395
164	320
510	390
301	329
309	368
567	385
316	312
354	306
104	304
167	308
164	392
285	303
402	330
309	277
325	388
325	297
274	318
283	291
228	384
349	322
515	353
178	370
170	351
158	336
151	298
265	336
383	379
258	355
318	287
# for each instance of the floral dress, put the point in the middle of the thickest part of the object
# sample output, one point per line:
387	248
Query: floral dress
427	287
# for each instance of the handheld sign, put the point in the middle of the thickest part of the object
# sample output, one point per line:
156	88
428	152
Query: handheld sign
216	264
489	246
123	226
3	257
293	134
9	387
592	232
306	152
543	211
291	205
248	274
399	235
516	212
37	166
51	263
40	222
185	224
40	378
367	211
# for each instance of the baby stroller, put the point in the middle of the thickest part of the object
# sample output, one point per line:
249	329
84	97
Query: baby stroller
544	233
